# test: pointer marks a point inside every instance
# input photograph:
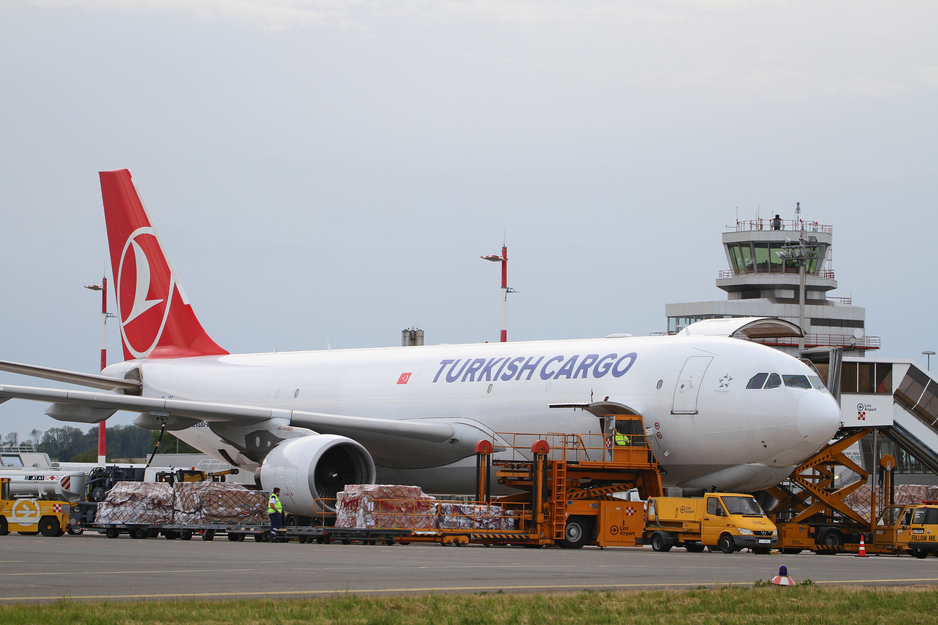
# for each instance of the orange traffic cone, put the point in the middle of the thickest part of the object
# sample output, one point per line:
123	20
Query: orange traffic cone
862	553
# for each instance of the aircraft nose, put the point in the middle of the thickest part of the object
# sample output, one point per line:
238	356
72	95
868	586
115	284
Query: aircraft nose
818	418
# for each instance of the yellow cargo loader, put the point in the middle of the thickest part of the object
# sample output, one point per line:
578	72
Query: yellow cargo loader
31	516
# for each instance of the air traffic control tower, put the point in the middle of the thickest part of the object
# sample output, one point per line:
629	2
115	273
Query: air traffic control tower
764	279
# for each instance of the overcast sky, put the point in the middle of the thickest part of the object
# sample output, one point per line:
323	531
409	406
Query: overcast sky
329	172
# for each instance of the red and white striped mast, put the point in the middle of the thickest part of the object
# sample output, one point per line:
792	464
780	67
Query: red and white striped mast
102	427
503	259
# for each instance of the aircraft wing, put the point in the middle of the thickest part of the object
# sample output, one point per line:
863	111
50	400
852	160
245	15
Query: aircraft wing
91	407
72	377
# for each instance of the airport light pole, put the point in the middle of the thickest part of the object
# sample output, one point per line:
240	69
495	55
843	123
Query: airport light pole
102	427
503	259
928	354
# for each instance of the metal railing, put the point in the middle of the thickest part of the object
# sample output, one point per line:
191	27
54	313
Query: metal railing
579	448
823	340
788	225
824	274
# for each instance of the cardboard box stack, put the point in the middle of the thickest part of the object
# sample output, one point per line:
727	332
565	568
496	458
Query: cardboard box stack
380	506
469	516
137	503
209	503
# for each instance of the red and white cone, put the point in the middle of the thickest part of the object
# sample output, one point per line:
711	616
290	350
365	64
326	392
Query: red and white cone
782	579
862	552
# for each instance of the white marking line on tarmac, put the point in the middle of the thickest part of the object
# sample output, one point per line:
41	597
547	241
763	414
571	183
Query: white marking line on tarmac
137	572
299	593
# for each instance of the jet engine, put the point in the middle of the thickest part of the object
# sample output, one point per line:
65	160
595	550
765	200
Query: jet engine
312	468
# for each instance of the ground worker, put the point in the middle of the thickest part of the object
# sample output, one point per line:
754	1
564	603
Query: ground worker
275	512
621	439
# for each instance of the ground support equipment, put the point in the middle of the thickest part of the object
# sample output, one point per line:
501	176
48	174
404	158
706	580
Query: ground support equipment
811	512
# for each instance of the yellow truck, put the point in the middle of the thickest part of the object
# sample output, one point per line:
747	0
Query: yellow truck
30	516
923	539
728	521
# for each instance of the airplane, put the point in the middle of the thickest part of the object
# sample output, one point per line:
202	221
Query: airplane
721	413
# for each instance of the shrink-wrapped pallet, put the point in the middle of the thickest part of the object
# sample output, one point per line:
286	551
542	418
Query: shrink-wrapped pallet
861	499
136	503
467	516
382	506
218	503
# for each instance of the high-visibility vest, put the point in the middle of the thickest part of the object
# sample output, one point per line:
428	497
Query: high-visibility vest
274	505
621	439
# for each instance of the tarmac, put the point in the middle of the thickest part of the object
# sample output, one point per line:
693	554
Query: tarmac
91	567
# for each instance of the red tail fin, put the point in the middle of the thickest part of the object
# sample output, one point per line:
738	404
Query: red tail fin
155	317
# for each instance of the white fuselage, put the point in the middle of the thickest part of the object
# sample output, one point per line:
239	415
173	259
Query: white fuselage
707	429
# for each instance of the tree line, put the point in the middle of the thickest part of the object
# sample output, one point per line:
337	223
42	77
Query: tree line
122	442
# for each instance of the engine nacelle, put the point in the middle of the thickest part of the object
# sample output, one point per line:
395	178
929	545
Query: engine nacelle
312	468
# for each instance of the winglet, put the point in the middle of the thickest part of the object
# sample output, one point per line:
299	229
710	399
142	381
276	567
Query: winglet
155	317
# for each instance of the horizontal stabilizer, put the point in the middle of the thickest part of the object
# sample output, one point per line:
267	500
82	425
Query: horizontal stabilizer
102	382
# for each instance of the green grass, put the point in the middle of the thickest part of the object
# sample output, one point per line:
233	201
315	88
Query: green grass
728	605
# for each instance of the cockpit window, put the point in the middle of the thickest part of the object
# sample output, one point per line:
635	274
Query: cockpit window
817	383
796	381
774	381
757	380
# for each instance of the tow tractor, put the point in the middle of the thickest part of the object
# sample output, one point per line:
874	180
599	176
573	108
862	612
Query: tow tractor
31	516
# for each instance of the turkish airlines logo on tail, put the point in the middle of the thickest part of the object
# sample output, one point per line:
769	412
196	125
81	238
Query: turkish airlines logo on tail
145	286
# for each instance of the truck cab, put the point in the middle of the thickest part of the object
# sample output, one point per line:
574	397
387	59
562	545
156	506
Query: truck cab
923	536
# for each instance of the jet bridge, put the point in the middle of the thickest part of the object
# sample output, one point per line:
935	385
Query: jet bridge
895	397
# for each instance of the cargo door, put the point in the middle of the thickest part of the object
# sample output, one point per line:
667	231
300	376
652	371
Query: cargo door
688	385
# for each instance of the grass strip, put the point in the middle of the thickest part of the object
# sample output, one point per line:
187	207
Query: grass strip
727	605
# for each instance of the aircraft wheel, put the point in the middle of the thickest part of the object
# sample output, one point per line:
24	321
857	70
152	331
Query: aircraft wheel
726	544
576	533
